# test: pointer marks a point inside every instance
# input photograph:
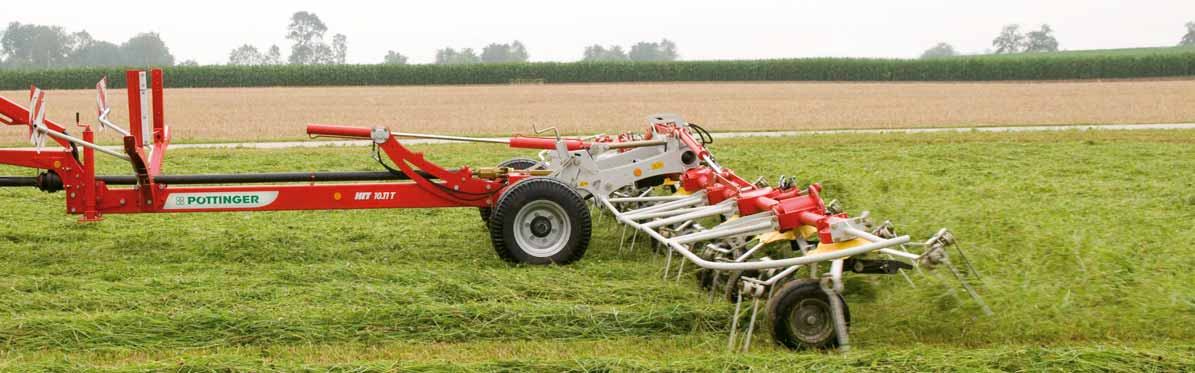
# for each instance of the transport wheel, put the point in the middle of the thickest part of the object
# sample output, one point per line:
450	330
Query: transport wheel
515	163
540	221
801	316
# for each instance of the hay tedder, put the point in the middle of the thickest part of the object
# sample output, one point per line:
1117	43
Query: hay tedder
748	241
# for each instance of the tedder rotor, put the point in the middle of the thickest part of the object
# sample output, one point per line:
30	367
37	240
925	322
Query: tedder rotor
747	240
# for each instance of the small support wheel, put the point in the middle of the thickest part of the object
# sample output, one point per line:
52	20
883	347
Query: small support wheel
540	221
802	317
731	291
705	278
515	163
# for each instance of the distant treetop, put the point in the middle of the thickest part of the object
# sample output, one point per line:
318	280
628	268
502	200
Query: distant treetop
32	46
665	50
1189	38
306	30
499	53
940	50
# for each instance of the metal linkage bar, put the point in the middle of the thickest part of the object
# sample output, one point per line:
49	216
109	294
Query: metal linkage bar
695	199
747	226
105	123
701	212
449	138
651	199
80	142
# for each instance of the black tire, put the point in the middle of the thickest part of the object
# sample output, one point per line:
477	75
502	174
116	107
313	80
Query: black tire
520	164
559	207
705	278
515	163
485	213
800	315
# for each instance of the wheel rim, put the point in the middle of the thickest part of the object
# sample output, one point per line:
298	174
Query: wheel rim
810	321
542	228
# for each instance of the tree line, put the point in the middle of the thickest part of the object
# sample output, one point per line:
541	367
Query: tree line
1012	40
515	52
40	46
308	46
306	32
27	46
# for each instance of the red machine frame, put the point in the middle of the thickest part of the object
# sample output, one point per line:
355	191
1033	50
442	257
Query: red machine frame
91	197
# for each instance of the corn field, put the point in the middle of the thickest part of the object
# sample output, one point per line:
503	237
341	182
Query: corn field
1144	63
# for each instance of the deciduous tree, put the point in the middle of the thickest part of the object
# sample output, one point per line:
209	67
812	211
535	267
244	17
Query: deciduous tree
940	50
665	50
273	57
598	53
449	56
306	30
499	53
245	55
340	49
147	49
1189	38
1041	40
36	46
1010	40
39	46
98	53
248	55
394	58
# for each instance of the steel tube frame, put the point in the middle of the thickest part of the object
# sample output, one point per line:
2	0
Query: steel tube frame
80	142
779	263
694	199
700	213
450	138
649	199
871	237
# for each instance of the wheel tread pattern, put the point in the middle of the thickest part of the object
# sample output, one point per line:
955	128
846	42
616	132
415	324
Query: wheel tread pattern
514	193
778	316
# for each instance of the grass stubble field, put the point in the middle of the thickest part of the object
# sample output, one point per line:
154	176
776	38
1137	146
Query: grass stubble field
266	114
1083	238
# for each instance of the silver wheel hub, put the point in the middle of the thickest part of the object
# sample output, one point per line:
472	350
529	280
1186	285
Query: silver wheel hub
542	228
810	321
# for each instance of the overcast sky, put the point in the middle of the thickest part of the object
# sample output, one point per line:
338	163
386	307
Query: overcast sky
559	30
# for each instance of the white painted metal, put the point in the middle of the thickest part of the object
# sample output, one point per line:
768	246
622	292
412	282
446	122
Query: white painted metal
556	236
146	111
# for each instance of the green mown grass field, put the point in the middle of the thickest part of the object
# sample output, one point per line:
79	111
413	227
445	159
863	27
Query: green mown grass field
1084	240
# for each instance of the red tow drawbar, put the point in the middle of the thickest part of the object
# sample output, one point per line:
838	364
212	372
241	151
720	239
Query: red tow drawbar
338	131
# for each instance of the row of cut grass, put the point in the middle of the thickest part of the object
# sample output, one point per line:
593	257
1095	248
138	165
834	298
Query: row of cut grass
1079	236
